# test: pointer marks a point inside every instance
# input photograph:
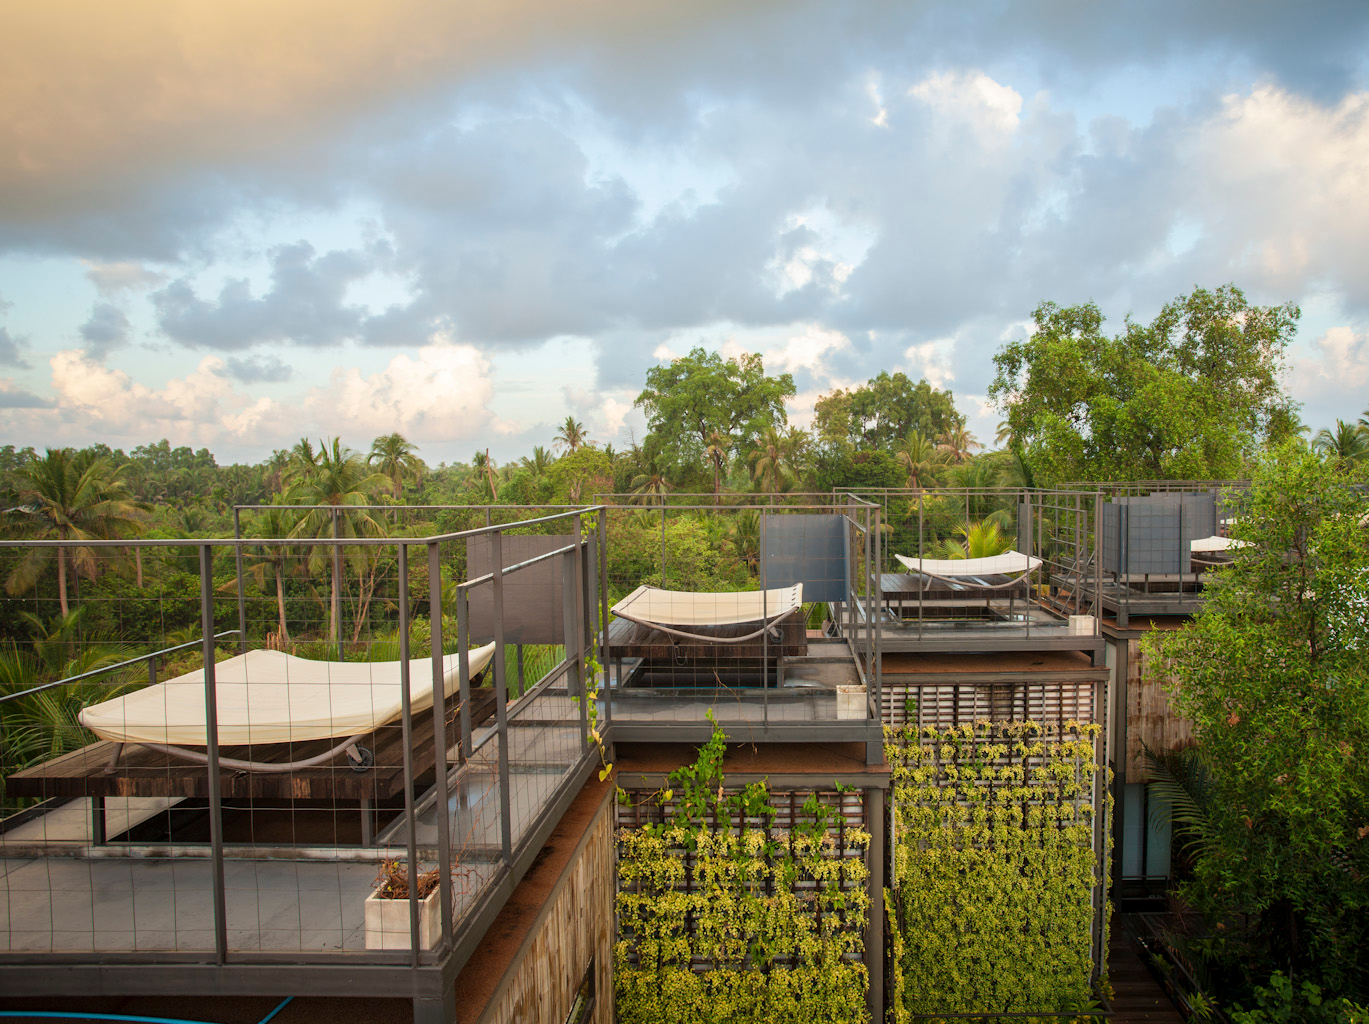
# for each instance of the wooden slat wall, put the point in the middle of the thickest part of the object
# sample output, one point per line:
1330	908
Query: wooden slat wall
1150	717
579	926
946	705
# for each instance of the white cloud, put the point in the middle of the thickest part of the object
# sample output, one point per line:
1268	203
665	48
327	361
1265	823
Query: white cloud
442	394
808	350
973	98
1278	183
118	276
1332	383
931	359
93	400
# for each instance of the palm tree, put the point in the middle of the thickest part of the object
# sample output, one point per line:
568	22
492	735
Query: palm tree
275	470
394	456
650	486
919	457
539	463
957	444
486	466
70	495
716	451
303	461
272	558
743	538
767	460
1347	445
571	435
983	539
1004	437
341	478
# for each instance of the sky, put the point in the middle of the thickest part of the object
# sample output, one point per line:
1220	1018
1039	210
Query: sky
236	225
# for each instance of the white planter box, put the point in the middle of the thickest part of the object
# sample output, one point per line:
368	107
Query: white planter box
1081	625
387	922
851	702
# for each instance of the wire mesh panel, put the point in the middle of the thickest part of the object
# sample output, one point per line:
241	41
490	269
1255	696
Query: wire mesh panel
331	720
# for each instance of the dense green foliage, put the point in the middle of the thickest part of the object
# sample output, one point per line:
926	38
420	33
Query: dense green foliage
724	918
709	409
883	411
995	869
1192	395
1273	674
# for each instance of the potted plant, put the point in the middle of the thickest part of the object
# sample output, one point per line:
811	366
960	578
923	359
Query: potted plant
387	909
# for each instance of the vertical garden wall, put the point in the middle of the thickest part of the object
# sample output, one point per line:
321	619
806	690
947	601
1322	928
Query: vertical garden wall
996	867
739	905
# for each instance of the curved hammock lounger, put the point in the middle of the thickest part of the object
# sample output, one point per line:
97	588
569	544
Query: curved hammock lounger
667	609
267	697
956	570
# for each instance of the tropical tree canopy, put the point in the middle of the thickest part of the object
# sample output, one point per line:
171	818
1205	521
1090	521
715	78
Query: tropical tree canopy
1273	673
393	456
883	410
70	495
1190	396
706	407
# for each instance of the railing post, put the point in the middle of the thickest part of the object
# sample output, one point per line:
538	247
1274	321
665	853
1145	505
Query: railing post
463	669
211	738
601	556
571	627
407	725
444	830
879	616
242	592
501	698
335	598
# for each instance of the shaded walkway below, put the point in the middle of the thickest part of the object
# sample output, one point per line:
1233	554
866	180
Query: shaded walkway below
1138	997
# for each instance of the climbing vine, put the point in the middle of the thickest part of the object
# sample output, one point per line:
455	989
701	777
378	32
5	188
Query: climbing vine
722	916
995	867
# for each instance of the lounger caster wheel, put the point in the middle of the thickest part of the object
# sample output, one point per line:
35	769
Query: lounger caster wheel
364	759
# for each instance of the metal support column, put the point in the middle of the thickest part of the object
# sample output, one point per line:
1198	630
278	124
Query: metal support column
242	591
501	698
211	736
406	721
463	670
443	801
335	611
570	624
601	557
874	923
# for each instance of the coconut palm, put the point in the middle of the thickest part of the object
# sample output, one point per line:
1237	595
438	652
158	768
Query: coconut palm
273	559
957	444
743	538
303	461
776	458
539	463
571	435
70	495
486	467
1347	445
341	478
394	456
650	486
716	452
919	458
275	470
983	539
767	460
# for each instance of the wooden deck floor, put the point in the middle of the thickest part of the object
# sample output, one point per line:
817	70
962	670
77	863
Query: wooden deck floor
1138	998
